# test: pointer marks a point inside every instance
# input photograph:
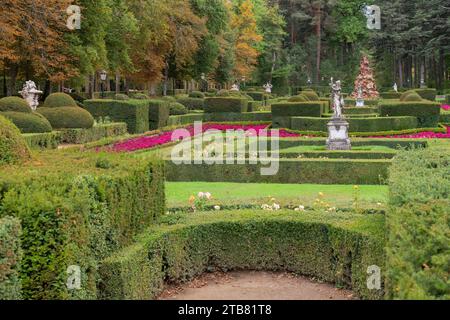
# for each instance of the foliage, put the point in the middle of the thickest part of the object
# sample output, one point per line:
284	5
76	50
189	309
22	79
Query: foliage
426	112
14	104
13	148
197	94
121	97
192	103
159	112
67	117
43	141
177	109
56	100
10	258
28	122
225	104
97	132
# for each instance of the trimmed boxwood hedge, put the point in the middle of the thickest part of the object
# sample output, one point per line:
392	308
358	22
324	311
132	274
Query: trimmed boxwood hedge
68	117
192	103
13	148
97	132
281	112
390	95
356	124
48	140
29	122
427	93
135	113
427	113
336	248
159	112
238	117
14	104
10	258
369	102
197	94
184	119
225	104
418	253
77	210
56	100
323	171
257	96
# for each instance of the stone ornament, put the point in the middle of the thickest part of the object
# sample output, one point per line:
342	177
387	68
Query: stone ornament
268	87
31	94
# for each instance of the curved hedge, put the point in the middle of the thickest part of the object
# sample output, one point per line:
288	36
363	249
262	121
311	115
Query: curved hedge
29	122
311	95
298	98
412	97
177	109
68	117
336	248
59	99
15	104
13	148
197	94
192	103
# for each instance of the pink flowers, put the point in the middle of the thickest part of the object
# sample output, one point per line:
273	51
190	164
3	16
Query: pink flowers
148	142
421	135
446	107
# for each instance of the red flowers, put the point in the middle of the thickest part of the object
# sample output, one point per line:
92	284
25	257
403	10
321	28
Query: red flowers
421	135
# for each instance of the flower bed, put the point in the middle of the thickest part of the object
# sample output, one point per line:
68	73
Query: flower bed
148	142
446	107
420	135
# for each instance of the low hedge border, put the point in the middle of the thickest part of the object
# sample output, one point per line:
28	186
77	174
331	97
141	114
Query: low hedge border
10	258
135	113
390	95
377	124
339	154
336	248
318	171
185	119
77	210
426	112
427	93
42	141
100	131
360	110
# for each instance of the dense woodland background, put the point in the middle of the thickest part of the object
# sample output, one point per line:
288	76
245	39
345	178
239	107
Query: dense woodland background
157	44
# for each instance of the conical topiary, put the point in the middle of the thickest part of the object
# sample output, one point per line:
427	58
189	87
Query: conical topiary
366	81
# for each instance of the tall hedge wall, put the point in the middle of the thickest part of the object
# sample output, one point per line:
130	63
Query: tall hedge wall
323	171
76	211
418	252
159	113
390	95
10	258
426	112
135	113
282	112
335	248
225	104
356	124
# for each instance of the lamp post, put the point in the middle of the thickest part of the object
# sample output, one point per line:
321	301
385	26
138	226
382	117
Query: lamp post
103	76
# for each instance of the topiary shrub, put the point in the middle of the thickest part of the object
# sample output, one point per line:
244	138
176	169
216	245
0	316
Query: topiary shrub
177	109
13	148
427	93
192	103
299	98
15	104
29	122
412	97
121	97
10	258
225	104
68	117
197	94
169	99
406	93
223	93
56	100
140	96
310	94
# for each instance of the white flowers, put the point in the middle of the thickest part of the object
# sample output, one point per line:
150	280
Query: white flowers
300	208
217	208
274	207
204	195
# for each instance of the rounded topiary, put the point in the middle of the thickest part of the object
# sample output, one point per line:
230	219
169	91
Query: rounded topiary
141	96
169	98
29	122
13	148
310	94
413	96
57	100
197	94
177	109
121	96
299	98
15	104
223	93
68	117
406	93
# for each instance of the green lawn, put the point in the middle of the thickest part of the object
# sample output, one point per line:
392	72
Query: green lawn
178	193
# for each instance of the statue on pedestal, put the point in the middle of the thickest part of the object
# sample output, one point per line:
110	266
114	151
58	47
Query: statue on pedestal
268	87
360	98
31	94
395	87
234	87
338	127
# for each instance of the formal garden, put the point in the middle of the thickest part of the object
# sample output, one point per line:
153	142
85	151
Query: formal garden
176	162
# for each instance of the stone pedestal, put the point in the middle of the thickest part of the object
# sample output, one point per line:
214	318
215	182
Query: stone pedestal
360	102
338	138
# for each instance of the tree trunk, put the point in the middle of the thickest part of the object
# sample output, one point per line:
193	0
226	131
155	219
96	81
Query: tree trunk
117	82
13	71
319	39
400	73
166	79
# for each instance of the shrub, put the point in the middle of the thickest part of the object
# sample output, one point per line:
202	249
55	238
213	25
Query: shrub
254	106
56	100
121	97
13	148
29	122
140	96
192	103
223	93
417	223
168	98
177	109
14	104
97	132
238	117
184	119
310	94
282	112
10	258
299	98
257	96
426	112
135	113
412	97
225	104
428	94
335	248
159	113
356	124
197	94
406	93
68	117
48	140
74	213
390	95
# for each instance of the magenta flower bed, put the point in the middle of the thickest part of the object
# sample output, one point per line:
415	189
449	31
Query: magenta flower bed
148	142
420	135
446	107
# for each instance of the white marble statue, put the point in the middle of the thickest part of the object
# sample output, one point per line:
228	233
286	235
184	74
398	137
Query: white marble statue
360	98
234	87
31	94
395	87
268	87
337	98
